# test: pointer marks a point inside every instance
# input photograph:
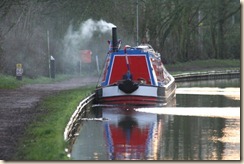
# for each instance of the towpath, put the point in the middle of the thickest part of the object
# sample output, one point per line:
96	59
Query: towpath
18	107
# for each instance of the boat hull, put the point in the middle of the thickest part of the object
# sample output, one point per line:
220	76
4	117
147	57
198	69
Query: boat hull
144	95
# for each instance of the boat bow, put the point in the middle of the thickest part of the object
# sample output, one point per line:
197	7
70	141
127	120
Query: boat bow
134	75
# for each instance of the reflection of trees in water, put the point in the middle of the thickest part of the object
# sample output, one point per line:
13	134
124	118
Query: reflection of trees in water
206	101
193	138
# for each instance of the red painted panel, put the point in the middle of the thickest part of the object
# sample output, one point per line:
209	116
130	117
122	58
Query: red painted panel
86	56
139	100
138	67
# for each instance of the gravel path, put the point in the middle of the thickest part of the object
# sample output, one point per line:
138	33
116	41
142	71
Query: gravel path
18	108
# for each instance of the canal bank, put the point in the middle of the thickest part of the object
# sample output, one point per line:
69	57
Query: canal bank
21	108
207	75
43	139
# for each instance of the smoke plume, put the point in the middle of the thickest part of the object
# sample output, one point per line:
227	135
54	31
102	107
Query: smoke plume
75	40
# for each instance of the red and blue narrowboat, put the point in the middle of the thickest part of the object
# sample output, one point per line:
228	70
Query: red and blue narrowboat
134	76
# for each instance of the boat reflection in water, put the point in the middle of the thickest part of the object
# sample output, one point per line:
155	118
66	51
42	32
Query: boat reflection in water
132	136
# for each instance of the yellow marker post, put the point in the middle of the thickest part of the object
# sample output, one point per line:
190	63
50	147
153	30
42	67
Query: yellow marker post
19	71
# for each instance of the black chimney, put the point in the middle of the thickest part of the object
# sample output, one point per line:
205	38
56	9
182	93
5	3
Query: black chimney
114	39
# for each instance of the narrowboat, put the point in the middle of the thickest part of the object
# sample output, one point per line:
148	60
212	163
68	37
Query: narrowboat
134	76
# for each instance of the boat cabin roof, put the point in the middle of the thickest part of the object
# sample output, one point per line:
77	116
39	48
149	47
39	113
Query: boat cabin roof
141	49
147	47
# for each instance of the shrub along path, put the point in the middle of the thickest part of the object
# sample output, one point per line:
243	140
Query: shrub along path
18	107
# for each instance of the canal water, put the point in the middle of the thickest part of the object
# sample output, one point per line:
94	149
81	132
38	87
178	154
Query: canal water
201	123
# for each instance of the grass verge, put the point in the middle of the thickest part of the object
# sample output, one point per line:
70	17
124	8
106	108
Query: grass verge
10	82
204	65
44	139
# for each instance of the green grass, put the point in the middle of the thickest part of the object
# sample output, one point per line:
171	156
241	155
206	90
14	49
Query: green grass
10	82
44	138
203	65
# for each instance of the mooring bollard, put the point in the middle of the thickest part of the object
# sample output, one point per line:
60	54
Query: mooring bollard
52	67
